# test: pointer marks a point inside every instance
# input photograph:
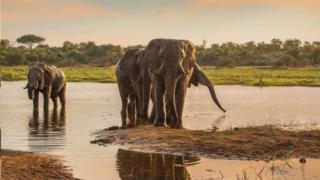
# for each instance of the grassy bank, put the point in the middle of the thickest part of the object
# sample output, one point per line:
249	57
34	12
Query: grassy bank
249	76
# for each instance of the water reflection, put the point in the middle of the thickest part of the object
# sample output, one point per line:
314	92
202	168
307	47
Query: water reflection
140	165
47	134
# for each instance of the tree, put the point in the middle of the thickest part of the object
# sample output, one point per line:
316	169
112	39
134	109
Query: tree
291	47
285	60
276	44
30	39
14	58
4	43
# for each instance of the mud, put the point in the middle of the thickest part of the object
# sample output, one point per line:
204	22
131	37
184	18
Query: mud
258	143
28	165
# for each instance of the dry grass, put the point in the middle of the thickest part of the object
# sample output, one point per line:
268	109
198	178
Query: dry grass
27	165
244	143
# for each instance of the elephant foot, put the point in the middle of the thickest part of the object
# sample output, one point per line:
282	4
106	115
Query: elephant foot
144	123
160	124
176	126
179	127
168	123
150	121
131	126
123	127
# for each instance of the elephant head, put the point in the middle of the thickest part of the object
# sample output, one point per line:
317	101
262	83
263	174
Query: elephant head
38	78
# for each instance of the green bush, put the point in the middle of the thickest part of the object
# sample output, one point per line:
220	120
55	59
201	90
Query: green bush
14	58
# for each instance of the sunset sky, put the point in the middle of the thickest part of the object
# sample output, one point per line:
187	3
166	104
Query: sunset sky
129	22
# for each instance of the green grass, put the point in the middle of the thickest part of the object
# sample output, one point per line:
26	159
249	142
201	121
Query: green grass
249	76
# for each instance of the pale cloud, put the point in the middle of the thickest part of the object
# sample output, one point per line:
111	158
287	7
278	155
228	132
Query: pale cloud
32	10
310	4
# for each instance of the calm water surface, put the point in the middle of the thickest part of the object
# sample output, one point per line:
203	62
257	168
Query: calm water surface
93	106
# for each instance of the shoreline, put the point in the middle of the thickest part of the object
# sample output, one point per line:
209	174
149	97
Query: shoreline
250	143
114	82
31	165
259	76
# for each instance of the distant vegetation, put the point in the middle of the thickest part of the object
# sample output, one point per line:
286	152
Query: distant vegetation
292	53
246	75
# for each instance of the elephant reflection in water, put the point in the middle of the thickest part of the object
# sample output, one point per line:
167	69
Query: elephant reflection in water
49	133
138	165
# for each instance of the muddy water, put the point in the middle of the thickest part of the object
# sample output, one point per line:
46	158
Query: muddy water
92	106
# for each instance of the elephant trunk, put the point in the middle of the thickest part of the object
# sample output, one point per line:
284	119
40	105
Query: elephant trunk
214	97
30	93
170	100
200	77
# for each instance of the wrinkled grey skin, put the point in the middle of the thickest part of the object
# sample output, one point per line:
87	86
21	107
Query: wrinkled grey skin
127	73
169	67
51	82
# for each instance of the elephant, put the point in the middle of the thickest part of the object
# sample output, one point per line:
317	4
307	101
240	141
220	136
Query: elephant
51	82
127	73
141	165
168	68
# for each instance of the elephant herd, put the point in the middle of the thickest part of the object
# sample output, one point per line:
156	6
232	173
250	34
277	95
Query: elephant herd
161	72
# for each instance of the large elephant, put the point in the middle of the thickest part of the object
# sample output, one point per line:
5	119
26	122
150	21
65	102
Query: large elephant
127	73
169	67
48	80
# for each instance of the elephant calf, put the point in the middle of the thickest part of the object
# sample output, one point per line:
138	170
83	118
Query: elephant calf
127	73
48	80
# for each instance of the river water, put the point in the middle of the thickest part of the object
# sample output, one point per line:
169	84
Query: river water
94	106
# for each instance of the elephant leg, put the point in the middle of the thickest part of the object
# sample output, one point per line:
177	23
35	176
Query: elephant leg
132	112
169	117
153	111
180	98
153	114
36	101
62	97
146	93
159	104
55	102
137	110
124	101
124	111
139	103
46	95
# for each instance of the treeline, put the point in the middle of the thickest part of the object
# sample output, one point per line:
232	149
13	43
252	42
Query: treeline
70	54
291	52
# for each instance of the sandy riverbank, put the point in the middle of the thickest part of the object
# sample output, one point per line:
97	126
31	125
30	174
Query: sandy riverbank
28	165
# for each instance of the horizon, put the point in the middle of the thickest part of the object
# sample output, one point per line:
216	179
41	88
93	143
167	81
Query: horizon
128	23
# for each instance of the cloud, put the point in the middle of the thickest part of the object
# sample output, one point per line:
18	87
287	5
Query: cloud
310	4
32	10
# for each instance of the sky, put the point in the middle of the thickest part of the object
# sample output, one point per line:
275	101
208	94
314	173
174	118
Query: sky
131	22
